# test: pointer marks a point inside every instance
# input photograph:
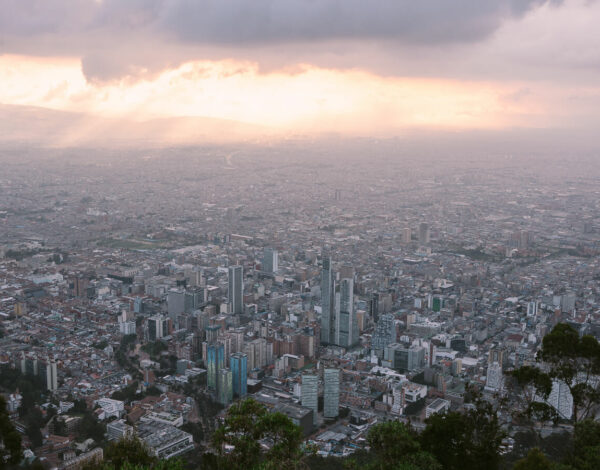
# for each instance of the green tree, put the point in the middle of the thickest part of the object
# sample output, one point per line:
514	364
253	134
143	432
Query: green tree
132	454
586	446
395	446
128	451
535	460
465	441
527	384
238	441
573	360
10	439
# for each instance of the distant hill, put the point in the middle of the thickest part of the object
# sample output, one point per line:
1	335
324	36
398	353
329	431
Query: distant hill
47	127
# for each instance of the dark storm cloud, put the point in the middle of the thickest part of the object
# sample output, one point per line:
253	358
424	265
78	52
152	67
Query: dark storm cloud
122	37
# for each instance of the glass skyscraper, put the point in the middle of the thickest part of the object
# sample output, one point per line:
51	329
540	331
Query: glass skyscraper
327	303
239	370
235	290
224	386
331	393
215	361
310	394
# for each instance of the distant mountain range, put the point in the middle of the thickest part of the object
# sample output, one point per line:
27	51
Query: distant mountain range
48	127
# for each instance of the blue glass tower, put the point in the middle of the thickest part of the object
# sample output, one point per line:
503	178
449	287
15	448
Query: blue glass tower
239	369
215	361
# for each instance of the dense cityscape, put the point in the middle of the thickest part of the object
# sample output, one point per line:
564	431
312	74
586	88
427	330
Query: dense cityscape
299	235
342	293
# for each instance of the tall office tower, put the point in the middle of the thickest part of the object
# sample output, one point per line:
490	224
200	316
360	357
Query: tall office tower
406	235
494	379
48	373
331	393
423	234
235	291
239	369
175	302
157	327
224	387
497	354
385	333
532	309
327	302
215	361
346	322
374	306
270	261
310	394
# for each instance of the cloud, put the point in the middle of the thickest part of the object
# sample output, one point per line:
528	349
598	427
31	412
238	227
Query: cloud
120	38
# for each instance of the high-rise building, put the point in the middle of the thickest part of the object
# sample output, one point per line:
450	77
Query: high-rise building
423	234
385	333
494	379
175	302
346	323
157	327
373	306
48	372
327	302
215	361
406	235
270	261
235	292
331	393
404	358
224	386
239	370
310	394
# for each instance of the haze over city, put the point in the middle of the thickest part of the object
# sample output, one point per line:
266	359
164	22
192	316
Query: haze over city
304	234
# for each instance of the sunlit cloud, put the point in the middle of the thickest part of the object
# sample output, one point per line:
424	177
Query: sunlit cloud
306	98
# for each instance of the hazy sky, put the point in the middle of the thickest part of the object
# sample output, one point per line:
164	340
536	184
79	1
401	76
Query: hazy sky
326	65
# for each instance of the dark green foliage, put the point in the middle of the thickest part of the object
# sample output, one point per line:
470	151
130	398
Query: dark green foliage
586	446
465	441
395	446
246	424
154	349
10	450
535	460
575	361
127	393
132	454
100	344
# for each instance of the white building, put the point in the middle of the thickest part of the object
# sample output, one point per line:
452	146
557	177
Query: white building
494	379
439	405
110	408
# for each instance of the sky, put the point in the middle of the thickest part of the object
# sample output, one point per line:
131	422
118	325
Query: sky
348	66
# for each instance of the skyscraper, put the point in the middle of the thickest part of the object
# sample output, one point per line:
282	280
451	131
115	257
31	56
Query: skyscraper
239	370
423	234
224	387
331	393
406	235
310	393
270	261
157	327
327	302
235	292
494	378
215	361
346	323
385	333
